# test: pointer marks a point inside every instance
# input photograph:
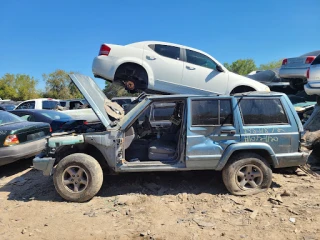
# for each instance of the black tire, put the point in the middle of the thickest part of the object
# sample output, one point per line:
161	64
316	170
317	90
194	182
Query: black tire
240	181
74	185
297	84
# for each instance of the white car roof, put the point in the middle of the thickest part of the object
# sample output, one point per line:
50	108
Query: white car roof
143	43
40	99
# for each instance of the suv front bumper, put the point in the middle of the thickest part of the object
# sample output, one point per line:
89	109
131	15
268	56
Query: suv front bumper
44	164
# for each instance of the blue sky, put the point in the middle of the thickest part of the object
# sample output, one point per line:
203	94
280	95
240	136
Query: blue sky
38	36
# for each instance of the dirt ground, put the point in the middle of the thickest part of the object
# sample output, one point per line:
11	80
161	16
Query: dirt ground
188	205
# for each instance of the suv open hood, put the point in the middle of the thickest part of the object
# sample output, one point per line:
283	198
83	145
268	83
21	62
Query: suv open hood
106	110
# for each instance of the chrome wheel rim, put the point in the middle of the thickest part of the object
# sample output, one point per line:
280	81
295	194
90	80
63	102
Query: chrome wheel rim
249	176
75	179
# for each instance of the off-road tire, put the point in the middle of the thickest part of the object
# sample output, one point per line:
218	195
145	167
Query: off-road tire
92	171
242	161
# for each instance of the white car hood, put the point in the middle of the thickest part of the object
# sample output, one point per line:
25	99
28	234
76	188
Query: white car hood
242	80
106	110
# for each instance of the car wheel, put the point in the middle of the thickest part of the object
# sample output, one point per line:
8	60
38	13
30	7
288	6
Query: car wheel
297	84
247	174
130	85
78	177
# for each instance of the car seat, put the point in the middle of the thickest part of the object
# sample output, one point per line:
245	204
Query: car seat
165	147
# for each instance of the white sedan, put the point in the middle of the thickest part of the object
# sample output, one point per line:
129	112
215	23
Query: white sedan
168	68
313	77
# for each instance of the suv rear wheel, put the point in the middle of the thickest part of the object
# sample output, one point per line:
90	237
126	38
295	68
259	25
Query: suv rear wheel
78	177
247	174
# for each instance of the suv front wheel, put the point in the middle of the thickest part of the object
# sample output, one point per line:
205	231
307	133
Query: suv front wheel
78	177
246	174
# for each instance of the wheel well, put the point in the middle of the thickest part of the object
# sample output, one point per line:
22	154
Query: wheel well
81	148
127	70
263	153
241	89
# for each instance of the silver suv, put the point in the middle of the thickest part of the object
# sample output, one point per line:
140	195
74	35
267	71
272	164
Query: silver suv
244	136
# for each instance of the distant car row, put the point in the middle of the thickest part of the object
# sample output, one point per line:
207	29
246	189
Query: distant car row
50	103
303	72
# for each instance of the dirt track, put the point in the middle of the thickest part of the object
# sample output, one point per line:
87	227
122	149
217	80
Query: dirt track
190	205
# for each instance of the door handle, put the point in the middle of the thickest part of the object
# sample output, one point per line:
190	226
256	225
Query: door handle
231	131
151	58
190	68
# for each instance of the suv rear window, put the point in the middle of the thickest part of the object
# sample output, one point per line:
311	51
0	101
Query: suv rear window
211	112
262	112
163	113
49	104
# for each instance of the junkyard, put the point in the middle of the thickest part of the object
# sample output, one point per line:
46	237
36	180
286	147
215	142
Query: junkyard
188	205
169	120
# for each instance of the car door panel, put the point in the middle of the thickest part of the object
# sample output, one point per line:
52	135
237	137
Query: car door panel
200	74
205	144
167	68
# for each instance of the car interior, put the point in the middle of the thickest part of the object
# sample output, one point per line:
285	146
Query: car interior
151	138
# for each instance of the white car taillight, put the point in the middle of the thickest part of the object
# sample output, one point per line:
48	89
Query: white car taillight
104	50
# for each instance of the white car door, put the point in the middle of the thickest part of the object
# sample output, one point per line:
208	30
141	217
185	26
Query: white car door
200	73
165	62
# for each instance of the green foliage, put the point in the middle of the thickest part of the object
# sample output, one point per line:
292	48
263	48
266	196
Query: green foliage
115	90
60	86
271	65
241	66
18	87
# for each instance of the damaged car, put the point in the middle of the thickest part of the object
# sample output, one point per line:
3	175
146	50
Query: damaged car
244	136
154	67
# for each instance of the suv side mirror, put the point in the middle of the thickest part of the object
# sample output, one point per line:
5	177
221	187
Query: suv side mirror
219	68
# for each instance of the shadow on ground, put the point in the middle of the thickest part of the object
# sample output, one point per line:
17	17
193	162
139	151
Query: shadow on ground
32	185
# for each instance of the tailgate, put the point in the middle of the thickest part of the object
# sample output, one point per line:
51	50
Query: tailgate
298	62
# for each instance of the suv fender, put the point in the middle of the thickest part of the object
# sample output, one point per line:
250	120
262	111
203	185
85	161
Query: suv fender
246	147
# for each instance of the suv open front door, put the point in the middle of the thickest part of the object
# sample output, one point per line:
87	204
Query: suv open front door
211	128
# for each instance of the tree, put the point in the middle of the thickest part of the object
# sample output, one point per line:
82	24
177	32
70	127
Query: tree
271	65
18	87
241	66
60	86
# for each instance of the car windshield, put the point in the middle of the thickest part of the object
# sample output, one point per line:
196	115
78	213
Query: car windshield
56	115
7	118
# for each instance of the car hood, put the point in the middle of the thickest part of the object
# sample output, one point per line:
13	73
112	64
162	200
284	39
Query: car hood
242	80
108	112
266	76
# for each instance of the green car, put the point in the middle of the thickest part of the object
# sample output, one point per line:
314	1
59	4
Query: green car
19	138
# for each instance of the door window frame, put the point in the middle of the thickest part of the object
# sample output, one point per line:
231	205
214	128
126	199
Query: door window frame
270	124
208	56
28	102
230	99
152	47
